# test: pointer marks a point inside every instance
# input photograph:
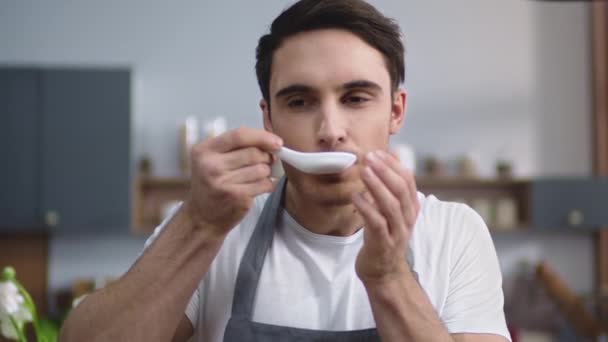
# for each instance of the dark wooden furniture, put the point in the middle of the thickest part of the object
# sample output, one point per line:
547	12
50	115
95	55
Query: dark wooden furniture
28	253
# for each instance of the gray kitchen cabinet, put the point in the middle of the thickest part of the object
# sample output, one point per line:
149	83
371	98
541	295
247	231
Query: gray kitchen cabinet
578	203
65	150
19	148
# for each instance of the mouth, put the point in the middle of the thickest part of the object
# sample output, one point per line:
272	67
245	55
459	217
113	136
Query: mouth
337	176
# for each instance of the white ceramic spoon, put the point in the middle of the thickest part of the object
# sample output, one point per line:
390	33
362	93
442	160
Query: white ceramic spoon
317	162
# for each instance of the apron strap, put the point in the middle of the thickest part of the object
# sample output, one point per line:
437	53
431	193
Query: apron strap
253	259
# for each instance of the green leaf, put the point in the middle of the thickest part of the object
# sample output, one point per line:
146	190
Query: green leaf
49	331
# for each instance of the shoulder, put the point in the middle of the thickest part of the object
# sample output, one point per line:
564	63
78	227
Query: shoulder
452	247
446	234
447	221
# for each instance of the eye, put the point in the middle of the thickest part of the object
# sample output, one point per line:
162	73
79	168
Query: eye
296	103
355	99
301	102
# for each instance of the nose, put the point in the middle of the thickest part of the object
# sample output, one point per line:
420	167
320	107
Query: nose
332	128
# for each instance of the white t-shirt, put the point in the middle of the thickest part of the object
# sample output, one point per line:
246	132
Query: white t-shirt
309	281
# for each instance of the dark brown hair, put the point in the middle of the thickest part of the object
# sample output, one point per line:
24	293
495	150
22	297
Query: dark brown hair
356	16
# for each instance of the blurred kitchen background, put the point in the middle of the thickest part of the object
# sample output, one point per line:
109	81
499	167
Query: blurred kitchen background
507	111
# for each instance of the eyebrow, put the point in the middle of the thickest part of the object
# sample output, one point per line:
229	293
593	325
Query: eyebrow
362	84
294	88
302	88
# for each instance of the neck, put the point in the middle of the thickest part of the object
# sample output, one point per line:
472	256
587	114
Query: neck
319	218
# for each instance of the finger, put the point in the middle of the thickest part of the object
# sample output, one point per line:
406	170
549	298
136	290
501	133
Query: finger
375	223
393	162
396	178
390	174
248	174
246	137
409	182
246	156
255	188
386	202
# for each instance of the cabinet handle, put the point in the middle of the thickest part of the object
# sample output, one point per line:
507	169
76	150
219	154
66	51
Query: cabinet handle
51	218
575	217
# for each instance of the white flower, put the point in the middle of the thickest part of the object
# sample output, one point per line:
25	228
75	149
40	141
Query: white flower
22	315
7	328
12	306
10	299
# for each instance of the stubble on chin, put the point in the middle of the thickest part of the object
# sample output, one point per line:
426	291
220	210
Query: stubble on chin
329	190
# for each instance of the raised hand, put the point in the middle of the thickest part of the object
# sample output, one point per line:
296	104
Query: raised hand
390	208
228	171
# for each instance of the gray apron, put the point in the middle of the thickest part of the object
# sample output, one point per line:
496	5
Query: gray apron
240	327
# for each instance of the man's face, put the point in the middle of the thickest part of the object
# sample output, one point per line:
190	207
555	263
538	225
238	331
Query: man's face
331	91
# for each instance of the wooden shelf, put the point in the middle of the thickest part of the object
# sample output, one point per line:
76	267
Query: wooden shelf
422	181
478	191
425	182
154	193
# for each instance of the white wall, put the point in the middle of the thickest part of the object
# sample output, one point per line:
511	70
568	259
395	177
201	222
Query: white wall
497	78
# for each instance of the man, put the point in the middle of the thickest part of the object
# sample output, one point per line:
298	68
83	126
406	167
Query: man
358	255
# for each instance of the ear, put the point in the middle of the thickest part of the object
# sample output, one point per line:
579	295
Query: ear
398	111
266	115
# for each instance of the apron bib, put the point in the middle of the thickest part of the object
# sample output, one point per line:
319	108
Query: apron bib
240	327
